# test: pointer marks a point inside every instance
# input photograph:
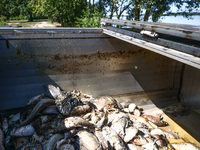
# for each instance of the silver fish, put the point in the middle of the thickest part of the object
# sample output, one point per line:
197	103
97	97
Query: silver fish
40	106
51	143
73	122
50	110
103	120
61	143
112	137
167	133
113	117
156	120
132	107
14	118
27	130
5	125
150	146
2	140
20	142
133	147
139	140
160	140
137	112
105	102
35	99
185	146
78	110
89	140
130	133
101	139
53	92
120	125
94	117
66	147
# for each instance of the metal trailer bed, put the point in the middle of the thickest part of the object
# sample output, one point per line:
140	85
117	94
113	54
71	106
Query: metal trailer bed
100	61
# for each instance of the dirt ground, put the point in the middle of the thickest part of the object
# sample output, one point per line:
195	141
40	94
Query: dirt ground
35	24
44	24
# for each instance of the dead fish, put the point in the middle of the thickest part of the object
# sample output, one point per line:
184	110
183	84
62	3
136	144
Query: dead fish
66	147
53	92
139	140
51	143
89	140
150	146
35	99
132	146
101	139
103	121
126	110
115	116
160	140
167	133
185	146
87	116
156	120
36	138
5	125
13	119
135	118
132	107
78	110
73	122
130	133
105	102
19	142
112	137
94	117
61	143
40	106
137	112
2	140
120	125
66	105
27	130
50	110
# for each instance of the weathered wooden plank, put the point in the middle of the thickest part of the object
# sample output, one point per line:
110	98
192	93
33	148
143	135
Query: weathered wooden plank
163	42
171	53
187	32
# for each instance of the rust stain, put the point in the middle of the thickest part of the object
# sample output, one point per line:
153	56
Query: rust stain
19	52
188	37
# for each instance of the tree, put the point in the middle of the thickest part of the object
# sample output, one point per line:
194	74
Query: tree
63	11
89	19
144	9
14	8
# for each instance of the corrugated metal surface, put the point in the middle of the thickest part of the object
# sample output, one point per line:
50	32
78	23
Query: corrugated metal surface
86	60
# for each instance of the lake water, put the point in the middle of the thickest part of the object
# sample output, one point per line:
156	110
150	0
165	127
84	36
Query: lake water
172	19
181	20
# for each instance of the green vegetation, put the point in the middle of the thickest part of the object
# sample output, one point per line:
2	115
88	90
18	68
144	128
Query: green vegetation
86	13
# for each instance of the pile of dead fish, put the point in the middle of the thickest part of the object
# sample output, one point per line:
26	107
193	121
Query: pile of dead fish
59	120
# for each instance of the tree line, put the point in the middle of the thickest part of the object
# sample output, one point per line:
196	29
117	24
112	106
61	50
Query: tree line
86	13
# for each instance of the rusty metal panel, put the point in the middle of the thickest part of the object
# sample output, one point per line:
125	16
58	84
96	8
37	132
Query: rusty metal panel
100	65
190	90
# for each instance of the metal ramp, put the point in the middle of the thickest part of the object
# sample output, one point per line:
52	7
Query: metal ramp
178	42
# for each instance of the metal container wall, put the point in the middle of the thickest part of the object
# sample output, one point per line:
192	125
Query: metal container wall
82	59
190	90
